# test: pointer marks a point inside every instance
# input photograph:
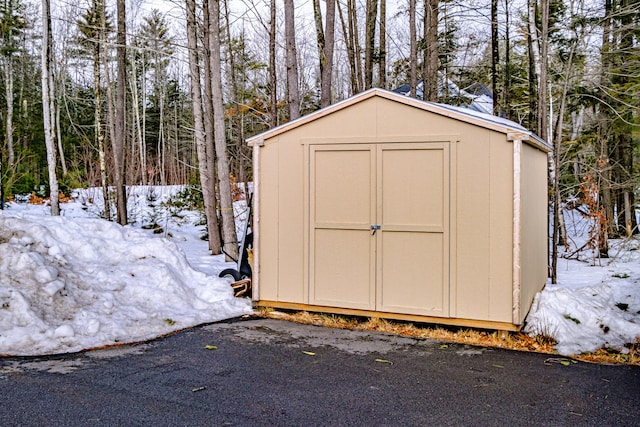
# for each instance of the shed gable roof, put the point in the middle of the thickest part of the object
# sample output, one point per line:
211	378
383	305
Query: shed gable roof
511	129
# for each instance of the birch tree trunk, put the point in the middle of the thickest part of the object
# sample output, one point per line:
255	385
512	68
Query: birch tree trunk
207	179
99	51
48	107
111	114
293	93
534	68
135	101
9	31
8	76
543	118
230	243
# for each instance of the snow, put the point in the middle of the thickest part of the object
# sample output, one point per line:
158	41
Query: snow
76	282
596	302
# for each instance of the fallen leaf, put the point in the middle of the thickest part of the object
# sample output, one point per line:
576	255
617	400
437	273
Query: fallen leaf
309	353
211	347
560	360
384	361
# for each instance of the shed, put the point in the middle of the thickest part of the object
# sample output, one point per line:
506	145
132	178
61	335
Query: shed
386	206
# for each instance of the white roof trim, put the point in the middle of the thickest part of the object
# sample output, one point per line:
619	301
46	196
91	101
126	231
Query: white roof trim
483	120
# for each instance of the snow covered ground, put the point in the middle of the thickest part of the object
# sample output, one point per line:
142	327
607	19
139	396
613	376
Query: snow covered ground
596	302
75	282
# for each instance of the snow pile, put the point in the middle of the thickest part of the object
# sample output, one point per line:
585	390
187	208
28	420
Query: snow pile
70	283
596	302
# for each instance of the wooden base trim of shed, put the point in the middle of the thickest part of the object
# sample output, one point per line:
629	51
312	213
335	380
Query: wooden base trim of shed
470	323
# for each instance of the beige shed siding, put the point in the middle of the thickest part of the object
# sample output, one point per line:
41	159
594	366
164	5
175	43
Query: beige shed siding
534	248
501	229
353	122
290	215
478	253
269	221
472	226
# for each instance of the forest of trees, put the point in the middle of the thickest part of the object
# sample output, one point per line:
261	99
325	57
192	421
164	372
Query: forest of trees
114	93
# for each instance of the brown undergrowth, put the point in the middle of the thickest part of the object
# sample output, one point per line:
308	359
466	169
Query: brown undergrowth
478	337
34	199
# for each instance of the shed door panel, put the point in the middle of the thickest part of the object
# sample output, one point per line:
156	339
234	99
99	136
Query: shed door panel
413	273
342	259
403	189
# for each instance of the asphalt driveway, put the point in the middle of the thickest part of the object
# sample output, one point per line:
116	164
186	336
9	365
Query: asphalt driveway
263	372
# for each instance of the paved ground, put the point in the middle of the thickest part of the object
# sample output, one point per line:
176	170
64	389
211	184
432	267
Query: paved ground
274	373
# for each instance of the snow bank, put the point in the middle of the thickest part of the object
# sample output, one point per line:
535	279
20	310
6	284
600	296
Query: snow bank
68	284
594	305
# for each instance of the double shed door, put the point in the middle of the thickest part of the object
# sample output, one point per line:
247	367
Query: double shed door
379	227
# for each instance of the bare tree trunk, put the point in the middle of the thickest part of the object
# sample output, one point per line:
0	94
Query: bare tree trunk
63	162
538	59
507	63
100	51
111	114
237	120
533	47
293	93
413	50
230	238
495	57
47	105
543	122
207	179
627	43
355	31
119	140
143	130
317	19
430	70
383	44
370	42
273	77
8	76
135	101
325	48
1	185
208	118
558	218
162	144
347	32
